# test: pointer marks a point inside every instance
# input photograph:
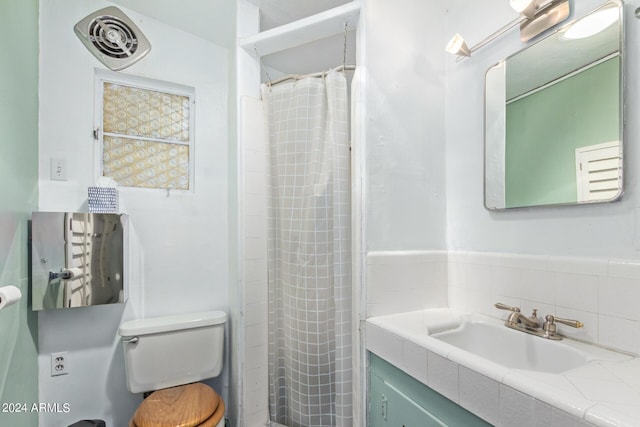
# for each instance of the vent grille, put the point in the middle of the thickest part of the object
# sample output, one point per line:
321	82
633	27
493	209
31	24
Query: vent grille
112	38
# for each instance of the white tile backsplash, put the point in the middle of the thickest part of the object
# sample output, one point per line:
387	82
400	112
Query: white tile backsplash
619	333
477	277
577	291
590	266
405	281
533	262
588	333
615	292
507	281
601	293
624	268
538	286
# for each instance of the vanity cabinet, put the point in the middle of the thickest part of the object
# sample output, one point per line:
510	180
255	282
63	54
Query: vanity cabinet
399	400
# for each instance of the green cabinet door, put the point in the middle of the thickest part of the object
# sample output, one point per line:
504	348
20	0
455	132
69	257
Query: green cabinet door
399	400
391	408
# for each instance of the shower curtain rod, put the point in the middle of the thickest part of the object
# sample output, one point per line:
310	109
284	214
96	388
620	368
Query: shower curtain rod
302	76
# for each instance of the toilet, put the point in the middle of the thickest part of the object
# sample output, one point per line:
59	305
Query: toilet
166	357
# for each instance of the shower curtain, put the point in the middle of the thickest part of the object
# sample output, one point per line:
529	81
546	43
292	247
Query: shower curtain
309	256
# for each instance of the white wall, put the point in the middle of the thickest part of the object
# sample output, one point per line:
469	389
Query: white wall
405	125
607	230
179	244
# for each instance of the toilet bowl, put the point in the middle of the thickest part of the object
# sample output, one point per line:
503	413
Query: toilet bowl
166	357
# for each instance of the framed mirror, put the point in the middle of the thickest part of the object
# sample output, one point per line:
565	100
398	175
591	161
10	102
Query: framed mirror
553	117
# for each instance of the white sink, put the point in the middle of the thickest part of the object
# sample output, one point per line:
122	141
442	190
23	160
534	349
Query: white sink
514	349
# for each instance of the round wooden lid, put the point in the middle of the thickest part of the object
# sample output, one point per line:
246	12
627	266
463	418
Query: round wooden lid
216	417
183	406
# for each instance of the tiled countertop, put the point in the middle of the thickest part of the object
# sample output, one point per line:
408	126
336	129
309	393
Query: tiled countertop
605	392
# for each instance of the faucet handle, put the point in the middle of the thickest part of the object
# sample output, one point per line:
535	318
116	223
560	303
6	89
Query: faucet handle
549	325
501	306
569	322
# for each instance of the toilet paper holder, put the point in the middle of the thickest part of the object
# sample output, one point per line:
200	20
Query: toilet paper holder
63	274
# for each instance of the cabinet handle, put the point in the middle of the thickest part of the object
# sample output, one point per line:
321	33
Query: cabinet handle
384	407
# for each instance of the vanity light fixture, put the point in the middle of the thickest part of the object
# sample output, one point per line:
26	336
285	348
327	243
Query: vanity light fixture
524	7
457	46
535	16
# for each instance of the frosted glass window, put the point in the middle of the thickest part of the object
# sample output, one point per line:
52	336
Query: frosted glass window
146	136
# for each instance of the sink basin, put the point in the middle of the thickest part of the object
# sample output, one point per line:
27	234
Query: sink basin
514	349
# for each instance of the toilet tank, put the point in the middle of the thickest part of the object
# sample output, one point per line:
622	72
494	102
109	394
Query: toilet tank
163	352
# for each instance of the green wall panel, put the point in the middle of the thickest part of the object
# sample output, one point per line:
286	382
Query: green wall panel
18	198
545	128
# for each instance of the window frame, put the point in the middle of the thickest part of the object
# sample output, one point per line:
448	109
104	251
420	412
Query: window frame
104	76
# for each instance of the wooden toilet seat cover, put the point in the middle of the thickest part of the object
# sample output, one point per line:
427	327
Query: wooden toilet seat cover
188	405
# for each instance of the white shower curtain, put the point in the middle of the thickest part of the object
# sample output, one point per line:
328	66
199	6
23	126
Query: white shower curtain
309	252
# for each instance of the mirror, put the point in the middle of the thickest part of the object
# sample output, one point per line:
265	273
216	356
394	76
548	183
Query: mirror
77	259
553	117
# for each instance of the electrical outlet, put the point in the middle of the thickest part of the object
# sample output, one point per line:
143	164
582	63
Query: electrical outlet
58	169
59	364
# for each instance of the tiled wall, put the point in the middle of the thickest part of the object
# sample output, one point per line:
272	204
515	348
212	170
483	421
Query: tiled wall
601	293
253	212
402	281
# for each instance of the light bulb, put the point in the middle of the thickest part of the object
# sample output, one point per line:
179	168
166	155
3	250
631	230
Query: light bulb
592	24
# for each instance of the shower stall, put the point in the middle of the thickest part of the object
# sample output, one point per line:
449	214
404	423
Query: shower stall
309	258
299	354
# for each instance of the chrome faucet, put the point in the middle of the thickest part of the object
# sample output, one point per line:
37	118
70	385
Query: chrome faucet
532	324
516	318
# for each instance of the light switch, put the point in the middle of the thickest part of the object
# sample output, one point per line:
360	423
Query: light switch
58	169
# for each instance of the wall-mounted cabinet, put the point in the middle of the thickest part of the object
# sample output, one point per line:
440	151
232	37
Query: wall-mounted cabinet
77	259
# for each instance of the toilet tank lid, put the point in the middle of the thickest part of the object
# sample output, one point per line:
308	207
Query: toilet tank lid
154	325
